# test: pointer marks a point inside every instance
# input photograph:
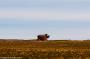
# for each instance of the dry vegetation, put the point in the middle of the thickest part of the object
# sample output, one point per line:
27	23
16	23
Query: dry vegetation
56	49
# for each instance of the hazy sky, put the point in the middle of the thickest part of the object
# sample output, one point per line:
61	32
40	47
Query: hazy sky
62	19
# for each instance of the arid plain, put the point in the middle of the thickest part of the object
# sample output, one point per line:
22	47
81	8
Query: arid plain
51	49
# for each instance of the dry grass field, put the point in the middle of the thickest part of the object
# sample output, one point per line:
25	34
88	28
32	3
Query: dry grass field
52	49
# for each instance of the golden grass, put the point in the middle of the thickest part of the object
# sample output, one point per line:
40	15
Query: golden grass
53	49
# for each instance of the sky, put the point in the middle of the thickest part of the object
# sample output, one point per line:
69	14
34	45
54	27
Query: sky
61	19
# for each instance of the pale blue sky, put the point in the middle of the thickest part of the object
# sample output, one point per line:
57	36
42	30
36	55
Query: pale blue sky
62	19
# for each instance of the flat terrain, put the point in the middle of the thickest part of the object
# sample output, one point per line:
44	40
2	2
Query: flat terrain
52	49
